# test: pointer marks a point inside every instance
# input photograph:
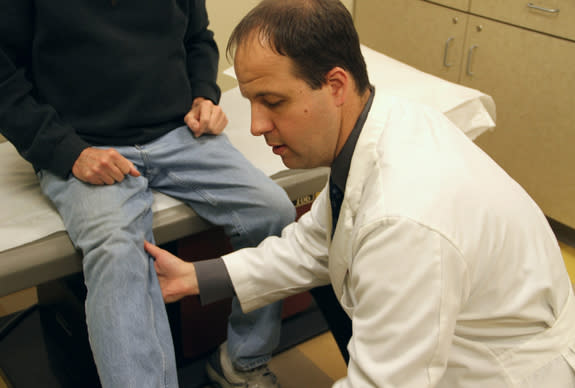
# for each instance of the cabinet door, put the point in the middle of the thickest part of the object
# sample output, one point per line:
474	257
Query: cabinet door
555	17
421	34
531	77
458	4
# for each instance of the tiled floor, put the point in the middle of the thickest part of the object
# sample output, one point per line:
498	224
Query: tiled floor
315	363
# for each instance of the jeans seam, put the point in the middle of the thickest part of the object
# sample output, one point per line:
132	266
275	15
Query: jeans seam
182	183
237	225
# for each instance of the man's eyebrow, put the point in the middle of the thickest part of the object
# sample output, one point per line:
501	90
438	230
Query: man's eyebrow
265	93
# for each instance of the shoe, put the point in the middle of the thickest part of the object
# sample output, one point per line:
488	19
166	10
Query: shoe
222	373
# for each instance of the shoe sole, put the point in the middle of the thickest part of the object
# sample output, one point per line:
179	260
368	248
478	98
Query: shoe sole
217	379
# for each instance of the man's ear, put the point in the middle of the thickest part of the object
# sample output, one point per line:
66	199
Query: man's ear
337	79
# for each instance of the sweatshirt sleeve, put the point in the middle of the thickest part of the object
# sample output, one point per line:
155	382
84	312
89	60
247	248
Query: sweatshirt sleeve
35	129
203	54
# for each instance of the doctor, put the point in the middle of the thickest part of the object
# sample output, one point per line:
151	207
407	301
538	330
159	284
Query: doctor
448	270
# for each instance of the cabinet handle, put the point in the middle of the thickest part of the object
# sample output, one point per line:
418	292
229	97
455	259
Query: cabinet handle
445	51
549	10
469	59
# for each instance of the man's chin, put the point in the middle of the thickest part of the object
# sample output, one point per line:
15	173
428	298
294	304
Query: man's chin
290	163
296	164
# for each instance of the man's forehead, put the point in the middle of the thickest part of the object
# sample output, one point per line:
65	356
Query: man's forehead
259	63
254	55
262	85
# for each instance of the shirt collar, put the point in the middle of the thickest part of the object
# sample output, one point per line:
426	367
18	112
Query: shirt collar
342	162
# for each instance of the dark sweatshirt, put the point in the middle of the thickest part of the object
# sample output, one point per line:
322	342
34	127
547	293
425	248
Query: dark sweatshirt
76	73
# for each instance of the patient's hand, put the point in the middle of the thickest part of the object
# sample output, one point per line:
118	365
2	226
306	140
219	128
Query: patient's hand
102	167
177	277
206	118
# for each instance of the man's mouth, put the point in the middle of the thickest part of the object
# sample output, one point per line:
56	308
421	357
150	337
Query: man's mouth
278	149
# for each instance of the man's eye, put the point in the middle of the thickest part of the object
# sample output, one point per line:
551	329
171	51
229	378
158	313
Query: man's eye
273	104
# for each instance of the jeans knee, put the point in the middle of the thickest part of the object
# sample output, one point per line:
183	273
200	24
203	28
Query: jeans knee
287	213
282	212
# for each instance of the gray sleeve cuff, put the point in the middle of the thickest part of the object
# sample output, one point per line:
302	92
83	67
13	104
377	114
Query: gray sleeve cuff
214	281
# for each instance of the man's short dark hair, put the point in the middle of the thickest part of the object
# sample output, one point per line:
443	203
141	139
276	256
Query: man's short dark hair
317	35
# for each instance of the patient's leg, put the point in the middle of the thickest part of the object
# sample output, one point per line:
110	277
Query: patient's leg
127	322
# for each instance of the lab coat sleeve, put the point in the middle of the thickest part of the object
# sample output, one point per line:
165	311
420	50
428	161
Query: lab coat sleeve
407	283
283	266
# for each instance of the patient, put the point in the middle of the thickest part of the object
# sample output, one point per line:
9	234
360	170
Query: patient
108	100
448	270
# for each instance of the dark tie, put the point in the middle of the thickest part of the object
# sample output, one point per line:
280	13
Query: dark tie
335	197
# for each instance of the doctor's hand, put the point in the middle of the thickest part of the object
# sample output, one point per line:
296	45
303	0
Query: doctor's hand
102	167
177	277
205	118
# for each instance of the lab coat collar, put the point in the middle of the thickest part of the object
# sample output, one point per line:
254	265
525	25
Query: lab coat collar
341	164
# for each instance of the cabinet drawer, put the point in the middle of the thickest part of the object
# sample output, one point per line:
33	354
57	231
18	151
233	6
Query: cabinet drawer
462	5
555	17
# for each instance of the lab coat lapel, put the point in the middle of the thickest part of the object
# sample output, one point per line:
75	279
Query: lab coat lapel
341	247
339	254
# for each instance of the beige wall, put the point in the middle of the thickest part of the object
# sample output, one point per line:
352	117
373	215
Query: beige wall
222	23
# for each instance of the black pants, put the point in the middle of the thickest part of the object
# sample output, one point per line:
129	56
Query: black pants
337	320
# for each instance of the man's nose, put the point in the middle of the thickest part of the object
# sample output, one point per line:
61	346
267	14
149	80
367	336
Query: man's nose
260	122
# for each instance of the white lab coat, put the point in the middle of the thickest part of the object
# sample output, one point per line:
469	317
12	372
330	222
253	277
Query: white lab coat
449	271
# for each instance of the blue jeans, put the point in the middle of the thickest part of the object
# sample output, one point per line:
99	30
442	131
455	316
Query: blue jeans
127	322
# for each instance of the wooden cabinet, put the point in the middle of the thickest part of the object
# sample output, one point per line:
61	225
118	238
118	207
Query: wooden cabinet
421	34
531	77
554	17
458	4
517	55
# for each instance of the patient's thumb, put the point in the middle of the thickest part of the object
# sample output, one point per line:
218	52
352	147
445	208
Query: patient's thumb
152	249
